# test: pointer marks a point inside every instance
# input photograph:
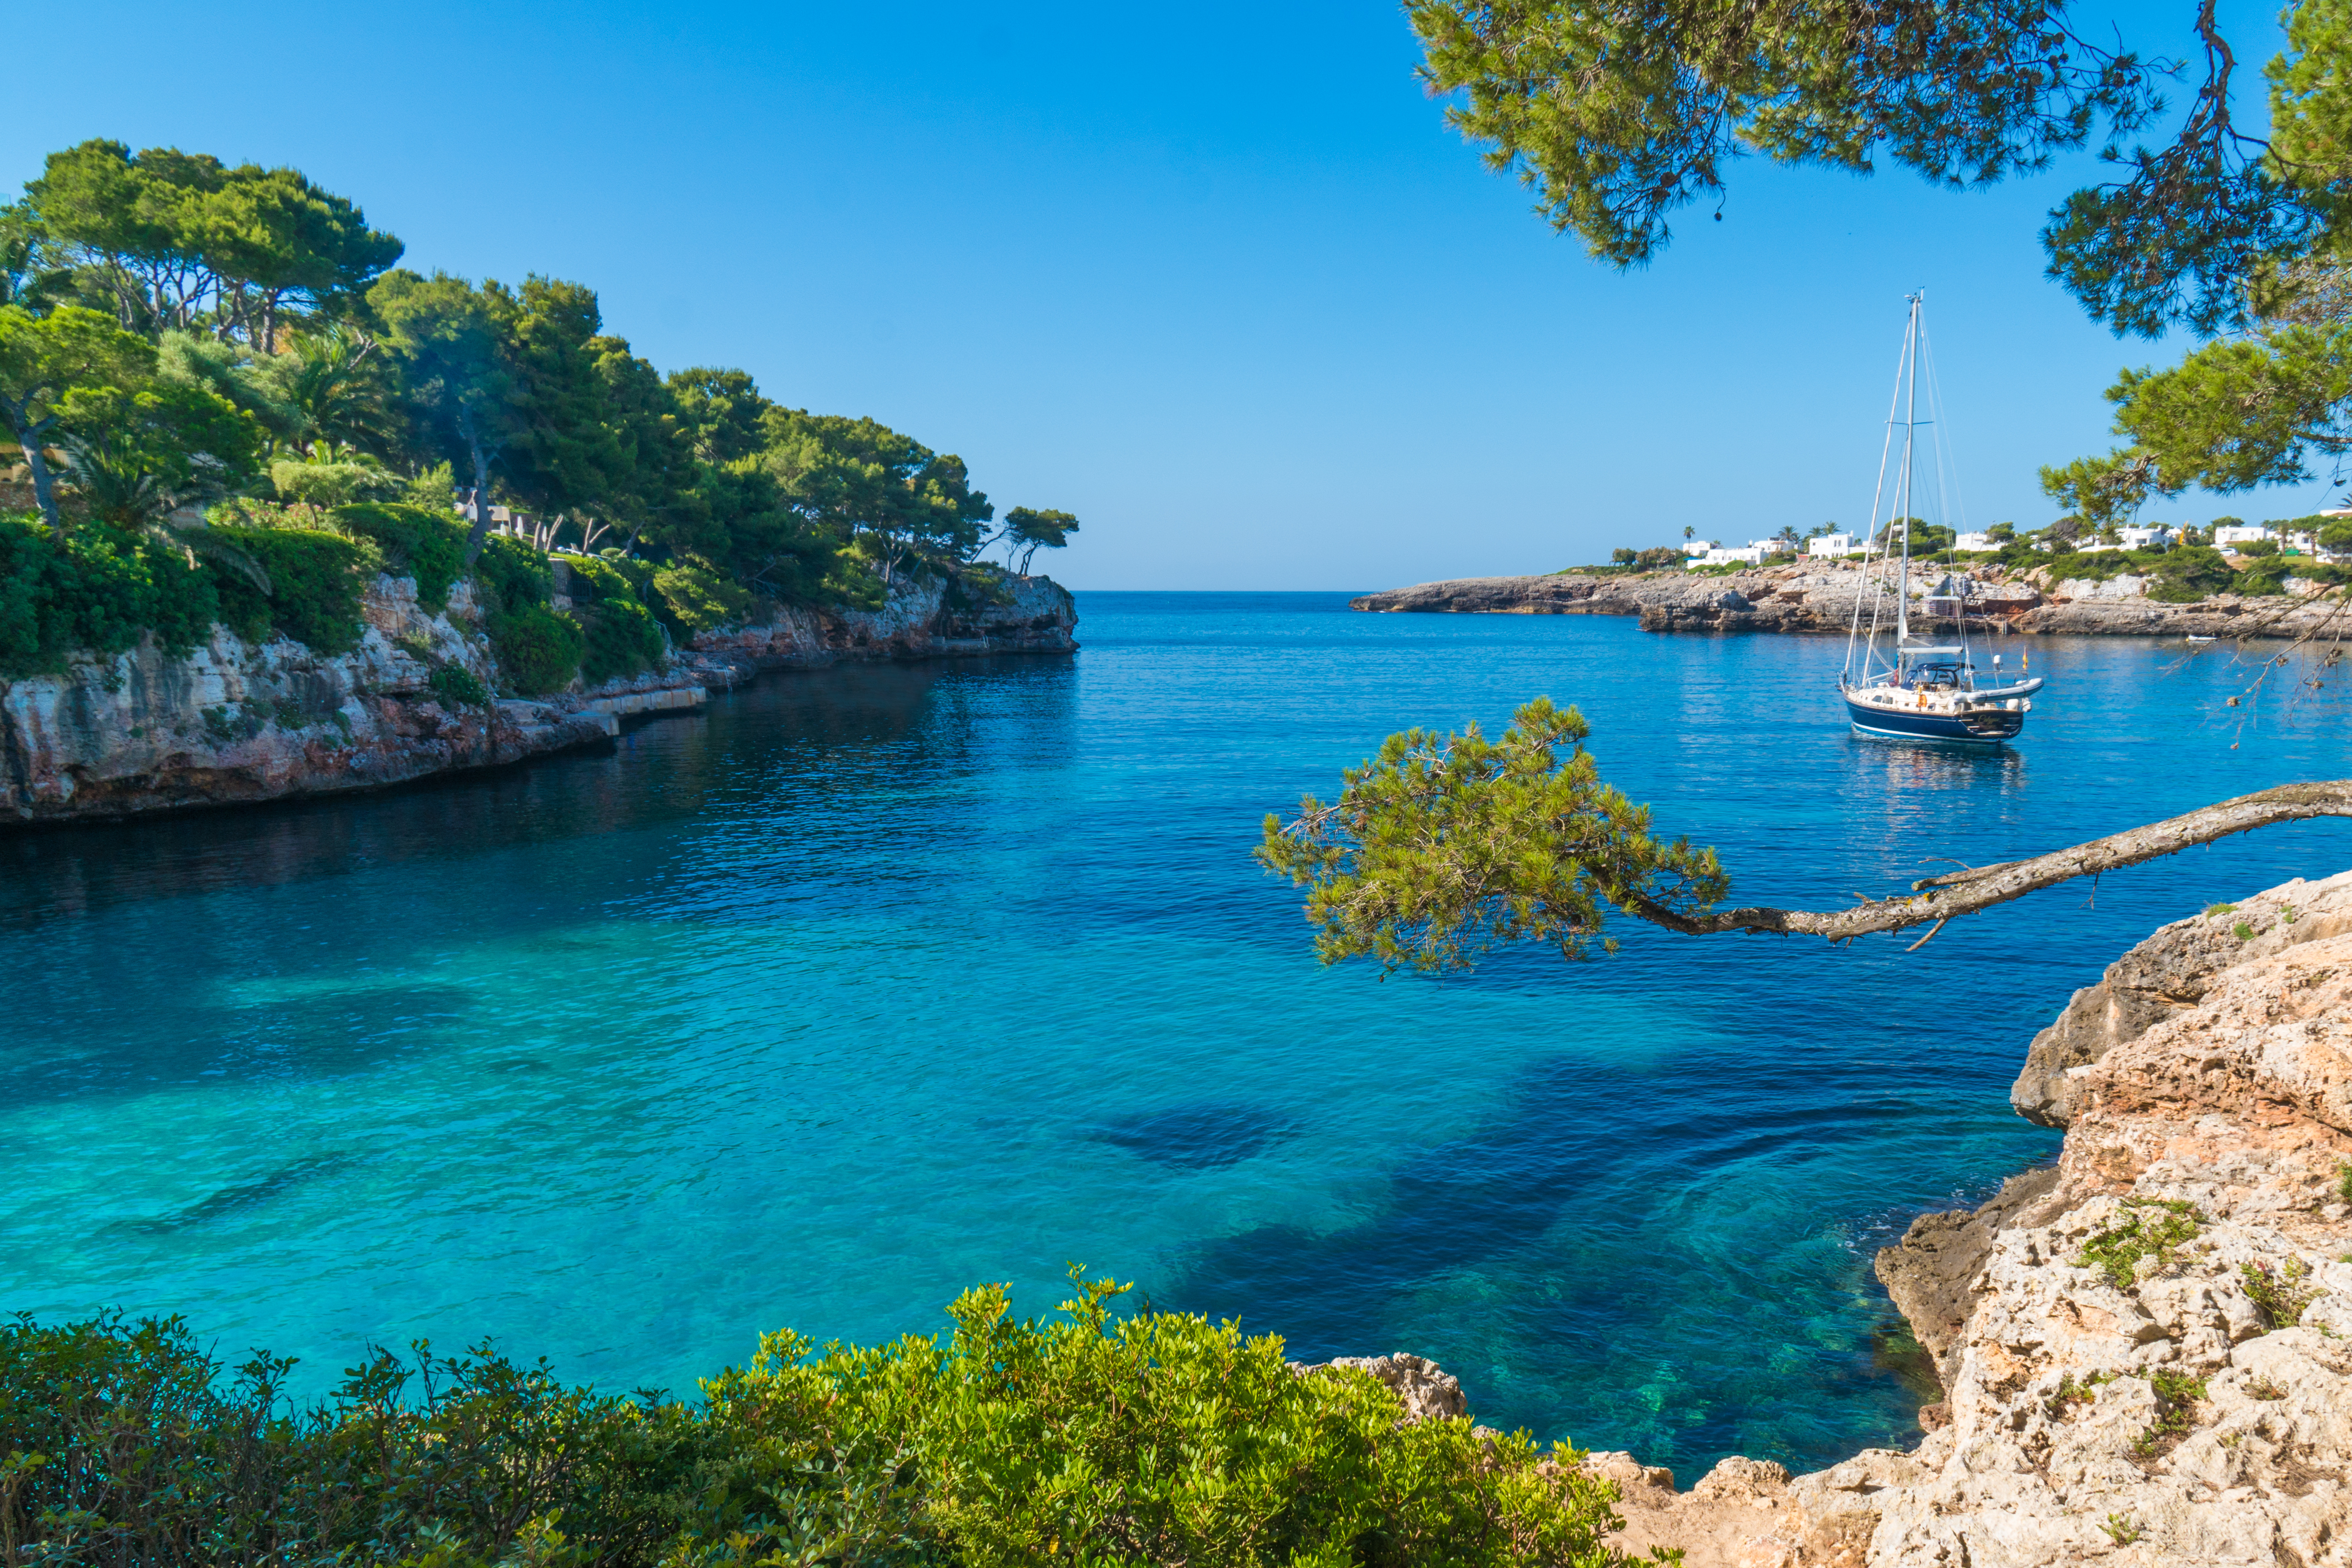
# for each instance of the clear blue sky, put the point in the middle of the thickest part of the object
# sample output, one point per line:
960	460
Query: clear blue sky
1216	279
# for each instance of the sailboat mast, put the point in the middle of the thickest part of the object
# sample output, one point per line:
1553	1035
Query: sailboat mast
1910	460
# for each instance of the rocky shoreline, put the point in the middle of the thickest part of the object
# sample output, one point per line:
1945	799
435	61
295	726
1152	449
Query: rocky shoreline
236	723
1820	598
2145	1351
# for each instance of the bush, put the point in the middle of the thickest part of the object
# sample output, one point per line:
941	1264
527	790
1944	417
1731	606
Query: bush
511	574
697	597
97	595
538	650
2255	549
455	685
427	546
1155	1440
2190	573
619	638
316	580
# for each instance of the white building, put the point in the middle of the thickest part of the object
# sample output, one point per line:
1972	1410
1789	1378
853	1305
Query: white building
1974	541
1830	545
2240	534
1752	555
2155	536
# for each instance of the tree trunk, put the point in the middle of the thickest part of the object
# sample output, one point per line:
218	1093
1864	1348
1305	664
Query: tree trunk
28	440
1940	898
481	529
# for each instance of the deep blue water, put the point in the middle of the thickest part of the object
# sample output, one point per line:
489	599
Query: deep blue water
874	983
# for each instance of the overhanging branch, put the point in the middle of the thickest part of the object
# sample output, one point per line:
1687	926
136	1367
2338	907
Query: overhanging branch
1941	898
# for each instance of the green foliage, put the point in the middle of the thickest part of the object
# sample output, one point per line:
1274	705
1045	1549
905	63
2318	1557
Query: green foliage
697	599
619	638
2256	550
429	546
316	581
2344	1181
2190	572
456	687
2177	1392
2148	1227
2243	931
2279	1294
538	650
1155	1440
2121	1529
1443	847
1027	531
97	595
2213	909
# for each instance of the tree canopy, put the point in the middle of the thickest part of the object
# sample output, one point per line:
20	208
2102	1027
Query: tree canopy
176	329
1618	116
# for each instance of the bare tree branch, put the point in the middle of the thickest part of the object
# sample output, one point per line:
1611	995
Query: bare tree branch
1942	898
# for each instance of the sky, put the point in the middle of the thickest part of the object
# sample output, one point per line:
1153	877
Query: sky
1217	279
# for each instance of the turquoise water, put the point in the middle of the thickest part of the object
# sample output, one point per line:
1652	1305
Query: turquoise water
870	984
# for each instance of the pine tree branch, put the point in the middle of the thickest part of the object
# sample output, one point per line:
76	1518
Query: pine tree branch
1941	898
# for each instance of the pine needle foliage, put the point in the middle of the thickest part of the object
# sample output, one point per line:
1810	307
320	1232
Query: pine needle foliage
1443	847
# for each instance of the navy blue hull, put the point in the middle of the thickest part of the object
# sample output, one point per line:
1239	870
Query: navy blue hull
1991	728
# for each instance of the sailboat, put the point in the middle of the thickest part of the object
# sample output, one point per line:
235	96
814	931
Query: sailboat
1911	688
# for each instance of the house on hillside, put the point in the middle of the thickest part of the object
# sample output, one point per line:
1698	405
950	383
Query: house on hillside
1832	545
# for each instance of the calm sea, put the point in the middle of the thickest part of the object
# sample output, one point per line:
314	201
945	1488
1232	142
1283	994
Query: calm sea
871	984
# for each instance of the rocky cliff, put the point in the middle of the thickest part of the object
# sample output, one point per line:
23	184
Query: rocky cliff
2146	1349
235	722
1820	598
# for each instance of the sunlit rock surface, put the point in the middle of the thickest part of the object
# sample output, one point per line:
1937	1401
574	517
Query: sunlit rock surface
233	722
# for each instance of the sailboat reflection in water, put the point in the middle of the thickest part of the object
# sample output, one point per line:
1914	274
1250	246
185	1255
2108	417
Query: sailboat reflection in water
1921	690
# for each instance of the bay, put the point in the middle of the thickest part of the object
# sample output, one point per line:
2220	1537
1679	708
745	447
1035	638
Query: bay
871	984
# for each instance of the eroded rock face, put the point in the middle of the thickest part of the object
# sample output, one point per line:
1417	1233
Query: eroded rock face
2146	1350
2165	975
1429	1393
233	722
921	621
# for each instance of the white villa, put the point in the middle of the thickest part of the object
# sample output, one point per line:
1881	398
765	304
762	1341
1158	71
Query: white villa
1974	541
1716	554
2155	536
1832	545
2240	534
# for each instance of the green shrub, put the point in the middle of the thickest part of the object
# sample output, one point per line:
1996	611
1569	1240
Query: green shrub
96	595
511	574
2148	1226
455	685
2280	1294
2255	549
2190	573
618	639
538	650
427	546
316	580
1158	1440
697	597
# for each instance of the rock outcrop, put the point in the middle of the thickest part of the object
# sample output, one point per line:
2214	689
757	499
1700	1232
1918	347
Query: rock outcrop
233	722
934	620
1820	598
2146	1349
1428	1393
2165	975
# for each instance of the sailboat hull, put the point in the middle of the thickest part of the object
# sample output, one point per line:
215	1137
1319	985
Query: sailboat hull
1983	727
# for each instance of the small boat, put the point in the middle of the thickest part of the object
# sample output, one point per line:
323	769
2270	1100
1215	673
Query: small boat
1913	688
2192	637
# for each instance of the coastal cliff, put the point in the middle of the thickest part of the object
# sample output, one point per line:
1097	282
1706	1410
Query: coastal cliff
2146	1350
233	722
1821	599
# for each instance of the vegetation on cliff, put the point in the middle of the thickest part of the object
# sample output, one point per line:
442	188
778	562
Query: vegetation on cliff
180	337
1155	1439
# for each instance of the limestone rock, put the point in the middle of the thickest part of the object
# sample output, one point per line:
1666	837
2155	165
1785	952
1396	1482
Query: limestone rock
1430	1393
2164	975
